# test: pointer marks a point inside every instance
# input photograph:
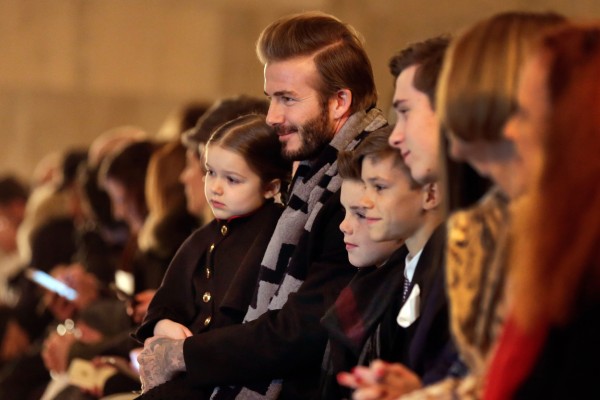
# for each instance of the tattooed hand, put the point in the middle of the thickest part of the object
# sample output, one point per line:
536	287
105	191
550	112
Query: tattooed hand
160	360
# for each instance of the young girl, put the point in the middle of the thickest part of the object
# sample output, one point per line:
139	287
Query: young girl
211	279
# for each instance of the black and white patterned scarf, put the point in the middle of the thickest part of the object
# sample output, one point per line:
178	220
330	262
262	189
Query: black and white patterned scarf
314	183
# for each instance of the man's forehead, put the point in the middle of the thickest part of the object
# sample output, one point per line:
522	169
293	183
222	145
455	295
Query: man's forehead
290	75
291	67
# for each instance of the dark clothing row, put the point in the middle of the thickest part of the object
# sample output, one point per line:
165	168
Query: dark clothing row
363	323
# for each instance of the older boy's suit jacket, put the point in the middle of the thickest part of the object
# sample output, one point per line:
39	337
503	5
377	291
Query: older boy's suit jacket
430	348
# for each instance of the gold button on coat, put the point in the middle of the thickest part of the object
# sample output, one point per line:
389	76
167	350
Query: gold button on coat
206	297
207	273
207	321
224	230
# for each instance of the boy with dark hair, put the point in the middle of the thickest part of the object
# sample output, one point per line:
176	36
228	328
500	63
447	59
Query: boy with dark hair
417	131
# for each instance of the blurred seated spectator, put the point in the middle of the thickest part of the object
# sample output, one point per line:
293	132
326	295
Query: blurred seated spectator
23	327
13	197
180	120
56	198
112	141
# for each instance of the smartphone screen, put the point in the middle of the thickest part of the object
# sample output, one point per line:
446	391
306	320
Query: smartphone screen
51	283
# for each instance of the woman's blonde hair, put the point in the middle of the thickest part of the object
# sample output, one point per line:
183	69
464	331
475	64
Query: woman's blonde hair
477	87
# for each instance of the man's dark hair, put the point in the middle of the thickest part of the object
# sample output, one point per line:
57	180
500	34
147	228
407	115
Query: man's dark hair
339	55
428	56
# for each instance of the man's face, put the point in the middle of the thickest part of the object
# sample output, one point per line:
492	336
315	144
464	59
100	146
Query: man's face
393	208
528	123
416	133
301	120
362	250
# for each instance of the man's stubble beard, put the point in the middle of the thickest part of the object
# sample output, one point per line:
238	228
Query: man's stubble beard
314	135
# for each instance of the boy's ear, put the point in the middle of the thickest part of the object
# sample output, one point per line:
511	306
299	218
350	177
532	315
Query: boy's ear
340	103
431	196
272	188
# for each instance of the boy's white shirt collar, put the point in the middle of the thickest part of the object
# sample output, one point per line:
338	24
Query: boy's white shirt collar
410	264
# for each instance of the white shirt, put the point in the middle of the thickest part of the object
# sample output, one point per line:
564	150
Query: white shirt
410	264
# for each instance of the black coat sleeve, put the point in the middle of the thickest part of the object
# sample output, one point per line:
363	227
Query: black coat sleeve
174	299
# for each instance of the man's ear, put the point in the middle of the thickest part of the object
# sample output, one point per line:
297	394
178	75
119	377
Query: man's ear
431	196
340	103
272	188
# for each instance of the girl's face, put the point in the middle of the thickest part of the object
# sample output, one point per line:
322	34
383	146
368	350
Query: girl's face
123	206
231	187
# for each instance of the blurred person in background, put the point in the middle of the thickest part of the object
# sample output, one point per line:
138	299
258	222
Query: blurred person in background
13	199
180	120
100	237
168	222
55	198
112	141
23	375
123	176
166	225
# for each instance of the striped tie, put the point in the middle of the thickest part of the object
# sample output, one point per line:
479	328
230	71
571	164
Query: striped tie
405	288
